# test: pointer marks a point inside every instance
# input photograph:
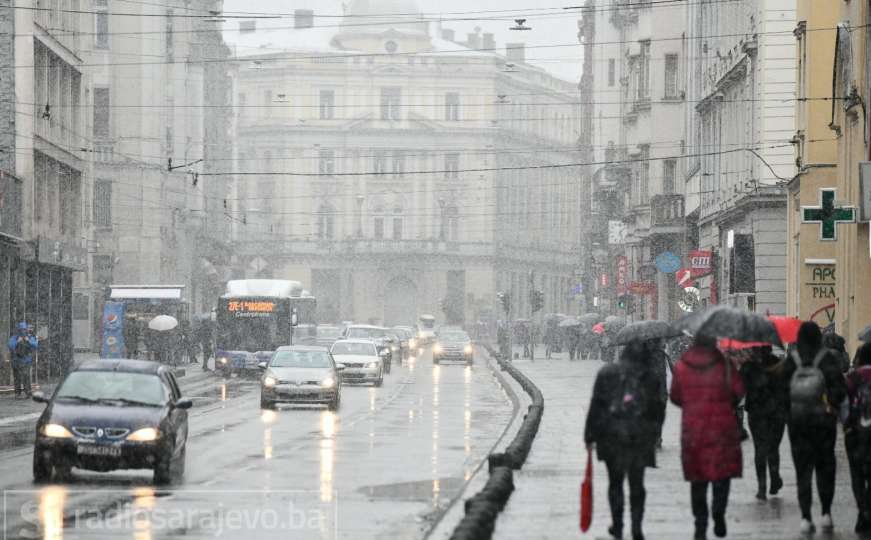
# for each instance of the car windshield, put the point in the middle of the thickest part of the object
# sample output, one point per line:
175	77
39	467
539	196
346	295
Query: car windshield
329	332
358	333
454	336
143	388
301	359
354	349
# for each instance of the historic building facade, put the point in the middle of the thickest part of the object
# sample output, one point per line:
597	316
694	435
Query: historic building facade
397	171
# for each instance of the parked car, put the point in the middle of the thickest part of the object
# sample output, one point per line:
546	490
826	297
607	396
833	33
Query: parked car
361	360
377	335
113	414
453	345
301	374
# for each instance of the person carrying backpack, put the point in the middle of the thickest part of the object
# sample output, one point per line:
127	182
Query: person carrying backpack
623	422
816	390
708	388
21	346
857	436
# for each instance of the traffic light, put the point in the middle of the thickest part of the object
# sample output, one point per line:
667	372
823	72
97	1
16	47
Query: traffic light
505	300
536	300
626	302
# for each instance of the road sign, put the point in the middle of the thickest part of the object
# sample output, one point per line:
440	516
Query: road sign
690	299
684	277
667	262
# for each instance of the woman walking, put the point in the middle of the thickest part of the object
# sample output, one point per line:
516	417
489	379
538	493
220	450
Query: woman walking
857	436
767	404
707	387
623	423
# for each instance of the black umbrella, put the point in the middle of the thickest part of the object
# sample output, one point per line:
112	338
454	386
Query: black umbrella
731	323
865	335
644	331
614	324
569	322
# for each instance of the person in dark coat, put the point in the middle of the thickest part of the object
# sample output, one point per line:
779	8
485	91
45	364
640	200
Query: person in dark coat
838	346
22	345
857	437
707	387
767	404
812	435
131	337
624	421
573	335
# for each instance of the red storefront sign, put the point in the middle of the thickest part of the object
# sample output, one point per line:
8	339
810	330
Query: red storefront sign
622	273
604	281
642	287
700	262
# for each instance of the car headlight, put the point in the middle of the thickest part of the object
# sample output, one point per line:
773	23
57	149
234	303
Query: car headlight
467	349
56	431
437	348
329	382
144	435
222	360
372	365
412	343
269	382
395	348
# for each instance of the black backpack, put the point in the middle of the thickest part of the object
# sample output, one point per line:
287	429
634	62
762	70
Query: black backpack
22	348
860	408
627	407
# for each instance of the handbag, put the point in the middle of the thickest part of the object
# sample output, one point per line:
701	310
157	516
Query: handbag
587	495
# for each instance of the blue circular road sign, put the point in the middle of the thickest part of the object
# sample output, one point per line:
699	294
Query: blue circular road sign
668	263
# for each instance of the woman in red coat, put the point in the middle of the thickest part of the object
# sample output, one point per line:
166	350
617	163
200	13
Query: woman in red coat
707	387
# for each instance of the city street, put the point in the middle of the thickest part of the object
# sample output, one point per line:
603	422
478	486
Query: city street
385	465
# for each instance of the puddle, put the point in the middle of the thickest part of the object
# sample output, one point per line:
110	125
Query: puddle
421	490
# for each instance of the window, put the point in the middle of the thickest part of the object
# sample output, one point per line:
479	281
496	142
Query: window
644	177
398	162
391	101
102	268
452	223
612	71
101	112
103	203
452	166
669	171
169	34
101	25
671	68
327	162
379	228
328	104
397	227
644	71
326	222
379	163
452	106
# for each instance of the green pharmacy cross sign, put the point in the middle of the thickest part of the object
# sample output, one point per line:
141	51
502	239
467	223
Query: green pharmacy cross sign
828	215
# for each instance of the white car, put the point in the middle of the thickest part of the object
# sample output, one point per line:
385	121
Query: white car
361	361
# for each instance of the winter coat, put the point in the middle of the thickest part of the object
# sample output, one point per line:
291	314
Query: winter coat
615	437
707	388
660	362
767	381
856	445
13	341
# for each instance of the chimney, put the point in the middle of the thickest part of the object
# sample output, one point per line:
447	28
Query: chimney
247	27
489	42
303	18
473	41
515	52
448	35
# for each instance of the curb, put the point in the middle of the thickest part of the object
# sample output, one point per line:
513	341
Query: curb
483	508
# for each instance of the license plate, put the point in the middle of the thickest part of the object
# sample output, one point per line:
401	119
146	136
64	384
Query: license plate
98	450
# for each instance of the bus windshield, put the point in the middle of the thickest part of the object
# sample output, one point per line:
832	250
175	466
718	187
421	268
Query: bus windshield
252	324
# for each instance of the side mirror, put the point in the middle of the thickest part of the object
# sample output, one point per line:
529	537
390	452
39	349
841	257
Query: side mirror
39	397
261	365
340	367
183	403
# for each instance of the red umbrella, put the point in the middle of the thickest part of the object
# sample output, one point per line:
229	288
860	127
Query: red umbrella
787	328
587	495
599	328
735	345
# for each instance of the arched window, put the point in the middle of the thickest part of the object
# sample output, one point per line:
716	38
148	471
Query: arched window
397	223
452	223
325	219
378	223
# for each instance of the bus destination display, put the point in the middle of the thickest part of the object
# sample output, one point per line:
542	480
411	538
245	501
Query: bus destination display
251	308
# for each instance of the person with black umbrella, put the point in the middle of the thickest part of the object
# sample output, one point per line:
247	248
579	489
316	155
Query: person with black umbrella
624	421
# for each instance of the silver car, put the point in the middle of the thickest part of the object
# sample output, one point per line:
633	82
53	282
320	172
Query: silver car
361	360
301	374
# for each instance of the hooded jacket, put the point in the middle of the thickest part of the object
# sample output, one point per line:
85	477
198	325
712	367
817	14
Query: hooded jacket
707	387
13	341
767	379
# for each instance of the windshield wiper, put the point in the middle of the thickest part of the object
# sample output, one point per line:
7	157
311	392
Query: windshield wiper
127	401
80	398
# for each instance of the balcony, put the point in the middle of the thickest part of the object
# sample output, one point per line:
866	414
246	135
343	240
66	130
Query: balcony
667	214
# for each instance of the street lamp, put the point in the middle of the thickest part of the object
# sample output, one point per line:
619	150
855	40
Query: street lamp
360	200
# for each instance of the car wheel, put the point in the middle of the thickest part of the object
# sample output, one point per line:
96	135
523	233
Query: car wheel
435	360
41	467
266	404
163	468
334	405
179	464
380	381
469	362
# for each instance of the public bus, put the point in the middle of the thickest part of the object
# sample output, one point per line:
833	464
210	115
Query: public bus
255	316
425	329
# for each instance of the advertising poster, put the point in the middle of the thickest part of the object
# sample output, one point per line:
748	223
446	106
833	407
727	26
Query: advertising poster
113	330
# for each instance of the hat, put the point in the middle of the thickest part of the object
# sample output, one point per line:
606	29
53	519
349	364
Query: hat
22	325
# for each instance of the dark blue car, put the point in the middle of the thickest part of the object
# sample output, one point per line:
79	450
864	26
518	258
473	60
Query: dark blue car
113	414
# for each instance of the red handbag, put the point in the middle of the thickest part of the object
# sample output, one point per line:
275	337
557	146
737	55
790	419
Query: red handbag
587	495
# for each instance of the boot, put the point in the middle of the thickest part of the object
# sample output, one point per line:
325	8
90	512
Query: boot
776	484
637	518
701	530
720	526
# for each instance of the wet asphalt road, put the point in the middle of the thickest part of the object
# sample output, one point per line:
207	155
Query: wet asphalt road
386	465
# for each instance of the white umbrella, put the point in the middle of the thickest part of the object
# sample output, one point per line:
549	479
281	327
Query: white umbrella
162	323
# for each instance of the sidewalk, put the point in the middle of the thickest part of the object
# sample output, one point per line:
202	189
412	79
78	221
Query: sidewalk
545	503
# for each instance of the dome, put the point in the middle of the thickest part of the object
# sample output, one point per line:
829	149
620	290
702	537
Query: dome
376	16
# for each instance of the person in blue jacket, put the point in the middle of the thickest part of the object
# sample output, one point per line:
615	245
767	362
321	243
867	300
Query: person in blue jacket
22	345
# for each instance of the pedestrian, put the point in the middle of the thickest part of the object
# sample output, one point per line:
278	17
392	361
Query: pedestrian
22	344
708	387
624	420
204	336
659	362
131	336
502	339
838	346
857	436
816	390
766	378
574	337
550	332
